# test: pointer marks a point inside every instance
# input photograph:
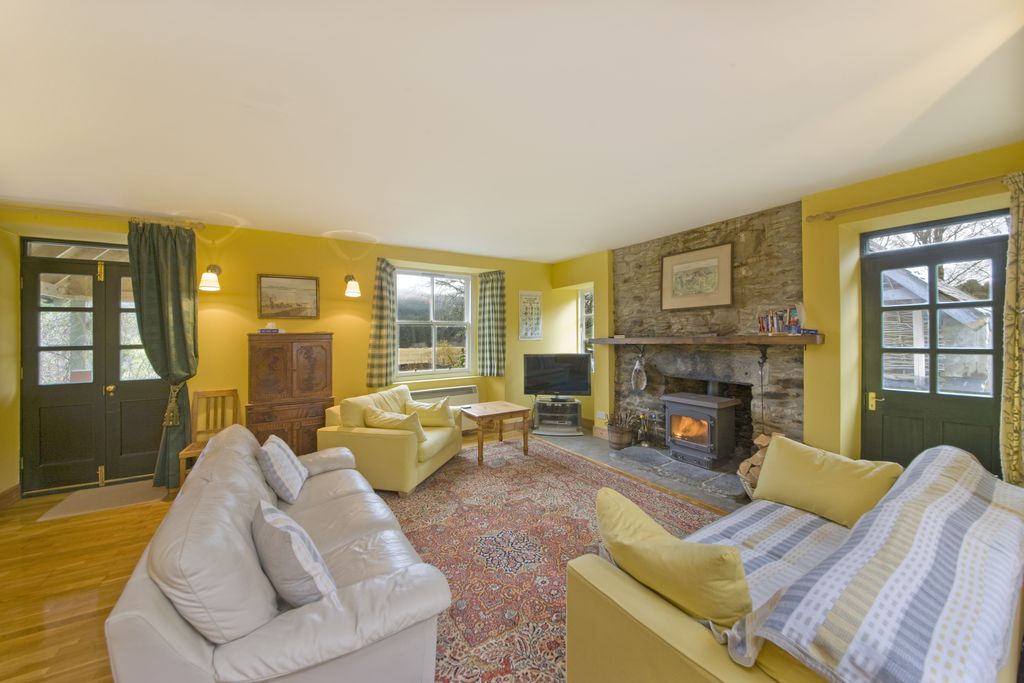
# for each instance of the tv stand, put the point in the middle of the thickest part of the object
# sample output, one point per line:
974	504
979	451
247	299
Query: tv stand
558	416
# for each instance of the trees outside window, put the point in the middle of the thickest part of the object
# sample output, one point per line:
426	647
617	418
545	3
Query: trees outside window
433	316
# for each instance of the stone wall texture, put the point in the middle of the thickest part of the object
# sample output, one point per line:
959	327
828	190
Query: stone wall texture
767	273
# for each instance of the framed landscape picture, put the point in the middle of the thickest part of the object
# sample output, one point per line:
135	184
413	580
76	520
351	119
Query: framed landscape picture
529	315
288	296
696	279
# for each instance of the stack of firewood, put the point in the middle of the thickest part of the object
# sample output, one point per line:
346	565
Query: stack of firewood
750	469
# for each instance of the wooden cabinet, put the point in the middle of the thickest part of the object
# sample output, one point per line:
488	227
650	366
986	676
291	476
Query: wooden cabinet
289	387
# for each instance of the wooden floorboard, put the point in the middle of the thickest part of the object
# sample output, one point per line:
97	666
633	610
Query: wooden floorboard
60	580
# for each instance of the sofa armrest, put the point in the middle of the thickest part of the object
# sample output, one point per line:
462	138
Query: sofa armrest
617	630
328	459
349	619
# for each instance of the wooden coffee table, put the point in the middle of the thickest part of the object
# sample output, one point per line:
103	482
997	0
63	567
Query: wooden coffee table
491	412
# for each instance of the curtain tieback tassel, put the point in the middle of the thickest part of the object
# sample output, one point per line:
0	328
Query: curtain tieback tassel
172	415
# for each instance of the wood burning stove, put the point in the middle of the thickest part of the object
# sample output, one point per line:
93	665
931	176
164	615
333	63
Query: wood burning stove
700	428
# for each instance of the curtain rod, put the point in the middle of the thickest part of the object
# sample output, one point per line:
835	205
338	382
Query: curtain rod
177	222
830	215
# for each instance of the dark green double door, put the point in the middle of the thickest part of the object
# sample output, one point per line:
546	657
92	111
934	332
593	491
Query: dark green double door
92	406
932	340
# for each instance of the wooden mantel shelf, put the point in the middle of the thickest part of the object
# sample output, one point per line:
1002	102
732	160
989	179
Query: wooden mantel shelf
739	339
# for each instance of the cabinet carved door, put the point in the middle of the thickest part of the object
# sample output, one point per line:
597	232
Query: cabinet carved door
311	377
270	372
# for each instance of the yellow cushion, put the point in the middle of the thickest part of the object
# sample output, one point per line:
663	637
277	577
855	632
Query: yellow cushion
382	419
827	484
436	414
705	581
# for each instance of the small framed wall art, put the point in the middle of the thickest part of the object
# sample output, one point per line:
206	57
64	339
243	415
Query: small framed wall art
696	279
288	296
529	315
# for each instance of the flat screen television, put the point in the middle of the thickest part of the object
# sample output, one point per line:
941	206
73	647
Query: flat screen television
566	374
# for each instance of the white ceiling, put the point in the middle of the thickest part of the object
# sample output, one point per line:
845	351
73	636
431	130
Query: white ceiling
535	130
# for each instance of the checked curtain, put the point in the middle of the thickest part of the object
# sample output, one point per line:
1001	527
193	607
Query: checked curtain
380	361
491	324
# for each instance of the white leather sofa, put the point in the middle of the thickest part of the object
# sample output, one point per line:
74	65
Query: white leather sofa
380	625
390	459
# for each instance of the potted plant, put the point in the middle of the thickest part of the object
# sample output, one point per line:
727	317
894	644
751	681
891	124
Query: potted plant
621	424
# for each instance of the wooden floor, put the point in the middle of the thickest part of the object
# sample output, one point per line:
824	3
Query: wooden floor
60	579
58	582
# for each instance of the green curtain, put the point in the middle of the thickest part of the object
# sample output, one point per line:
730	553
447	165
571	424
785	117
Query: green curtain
381	356
162	261
1011	427
491	324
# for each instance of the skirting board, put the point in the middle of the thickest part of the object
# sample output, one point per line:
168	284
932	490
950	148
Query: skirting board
10	496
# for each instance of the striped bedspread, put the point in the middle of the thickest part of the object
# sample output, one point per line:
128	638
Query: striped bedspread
778	544
924	587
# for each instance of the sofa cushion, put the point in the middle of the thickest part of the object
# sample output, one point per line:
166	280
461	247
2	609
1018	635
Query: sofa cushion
391	400
326	486
281	468
341	520
827	484
437	438
328	460
383	419
379	552
437	414
289	557
705	581
204	560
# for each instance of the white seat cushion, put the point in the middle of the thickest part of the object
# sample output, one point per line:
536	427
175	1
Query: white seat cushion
289	557
376	553
340	521
437	438
282	469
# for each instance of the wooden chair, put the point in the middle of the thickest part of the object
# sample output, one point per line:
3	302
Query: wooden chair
212	411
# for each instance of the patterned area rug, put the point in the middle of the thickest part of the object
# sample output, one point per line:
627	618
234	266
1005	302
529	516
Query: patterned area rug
502	534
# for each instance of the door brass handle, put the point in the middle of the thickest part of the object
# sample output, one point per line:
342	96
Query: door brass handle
873	400
110	389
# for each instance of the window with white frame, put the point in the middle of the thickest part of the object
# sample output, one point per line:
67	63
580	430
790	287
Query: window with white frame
585	312
433	316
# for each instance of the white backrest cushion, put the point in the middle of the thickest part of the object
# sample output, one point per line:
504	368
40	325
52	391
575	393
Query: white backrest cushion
204	560
282	469
392	400
290	558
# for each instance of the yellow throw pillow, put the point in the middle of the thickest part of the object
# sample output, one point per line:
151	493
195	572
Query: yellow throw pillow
382	419
705	581
436	414
827	484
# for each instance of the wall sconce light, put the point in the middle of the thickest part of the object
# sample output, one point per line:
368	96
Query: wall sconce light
352	287
209	282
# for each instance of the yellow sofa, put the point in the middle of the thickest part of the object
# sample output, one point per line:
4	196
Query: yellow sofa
390	459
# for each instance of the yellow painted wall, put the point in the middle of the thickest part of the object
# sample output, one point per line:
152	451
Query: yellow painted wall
10	417
226	317
594	270
831	273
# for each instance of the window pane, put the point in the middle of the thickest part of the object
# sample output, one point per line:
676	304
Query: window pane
905	329
951	232
65	367
127	295
414	348
905	371
965	280
135	366
413	294
85	252
588	302
960	373
902	286
965	328
451	348
65	328
63	290
130	329
449	299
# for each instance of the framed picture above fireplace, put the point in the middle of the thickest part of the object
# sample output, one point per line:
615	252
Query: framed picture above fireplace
697	279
